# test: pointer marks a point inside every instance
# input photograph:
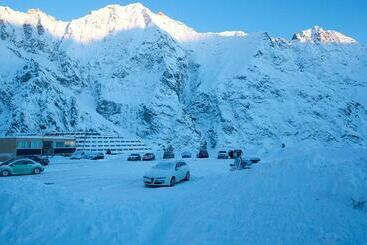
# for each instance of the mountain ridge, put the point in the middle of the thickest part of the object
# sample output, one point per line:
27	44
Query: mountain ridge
231	89
164	22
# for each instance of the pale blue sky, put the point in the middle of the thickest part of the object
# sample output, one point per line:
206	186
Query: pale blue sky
281	18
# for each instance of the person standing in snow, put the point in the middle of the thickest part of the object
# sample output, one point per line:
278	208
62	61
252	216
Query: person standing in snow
238	163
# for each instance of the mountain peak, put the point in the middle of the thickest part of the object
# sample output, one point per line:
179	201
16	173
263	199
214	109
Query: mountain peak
5	11
116	18
111	19
35	12
3	8
317	34
129	7
131	11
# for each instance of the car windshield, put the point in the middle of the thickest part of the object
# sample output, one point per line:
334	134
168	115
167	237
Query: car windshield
164	166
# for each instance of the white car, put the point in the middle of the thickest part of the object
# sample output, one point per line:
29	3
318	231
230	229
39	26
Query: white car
167	174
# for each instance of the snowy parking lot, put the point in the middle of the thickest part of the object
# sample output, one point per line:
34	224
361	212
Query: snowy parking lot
113	179
289	197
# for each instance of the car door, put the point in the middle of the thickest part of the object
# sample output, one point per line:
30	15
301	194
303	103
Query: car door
29	166
19	167
177	172
180	172
16	167
184	170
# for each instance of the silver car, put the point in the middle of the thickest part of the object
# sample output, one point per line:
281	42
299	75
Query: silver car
167	174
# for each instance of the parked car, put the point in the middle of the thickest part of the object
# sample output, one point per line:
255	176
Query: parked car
168	155
186	154
41	160
167	174
222	155
94	155
235	153
203	154
149	157
134	157
20	167
77	155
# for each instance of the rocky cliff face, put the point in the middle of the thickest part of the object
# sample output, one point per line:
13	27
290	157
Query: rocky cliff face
131	71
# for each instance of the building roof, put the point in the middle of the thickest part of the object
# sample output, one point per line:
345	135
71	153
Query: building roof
37	137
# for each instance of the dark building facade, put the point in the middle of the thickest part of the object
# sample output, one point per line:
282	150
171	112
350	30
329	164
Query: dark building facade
12	146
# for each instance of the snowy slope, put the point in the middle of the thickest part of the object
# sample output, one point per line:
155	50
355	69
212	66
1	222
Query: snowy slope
290	197
132	71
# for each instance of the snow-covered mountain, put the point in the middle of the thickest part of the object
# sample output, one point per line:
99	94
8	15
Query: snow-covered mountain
319	35
135	72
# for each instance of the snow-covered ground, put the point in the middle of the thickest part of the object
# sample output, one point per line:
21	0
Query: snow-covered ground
293	196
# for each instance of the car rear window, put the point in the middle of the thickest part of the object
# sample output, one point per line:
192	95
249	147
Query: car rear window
180	164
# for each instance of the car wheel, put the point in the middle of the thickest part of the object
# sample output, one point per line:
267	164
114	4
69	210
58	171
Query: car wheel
37	171
5	173
187	178
172	182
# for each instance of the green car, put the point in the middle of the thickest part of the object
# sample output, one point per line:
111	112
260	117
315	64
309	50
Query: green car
19	167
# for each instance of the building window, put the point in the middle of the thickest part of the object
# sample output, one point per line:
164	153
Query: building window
29	144
70	143
65	144
60	144
23	144
36	144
